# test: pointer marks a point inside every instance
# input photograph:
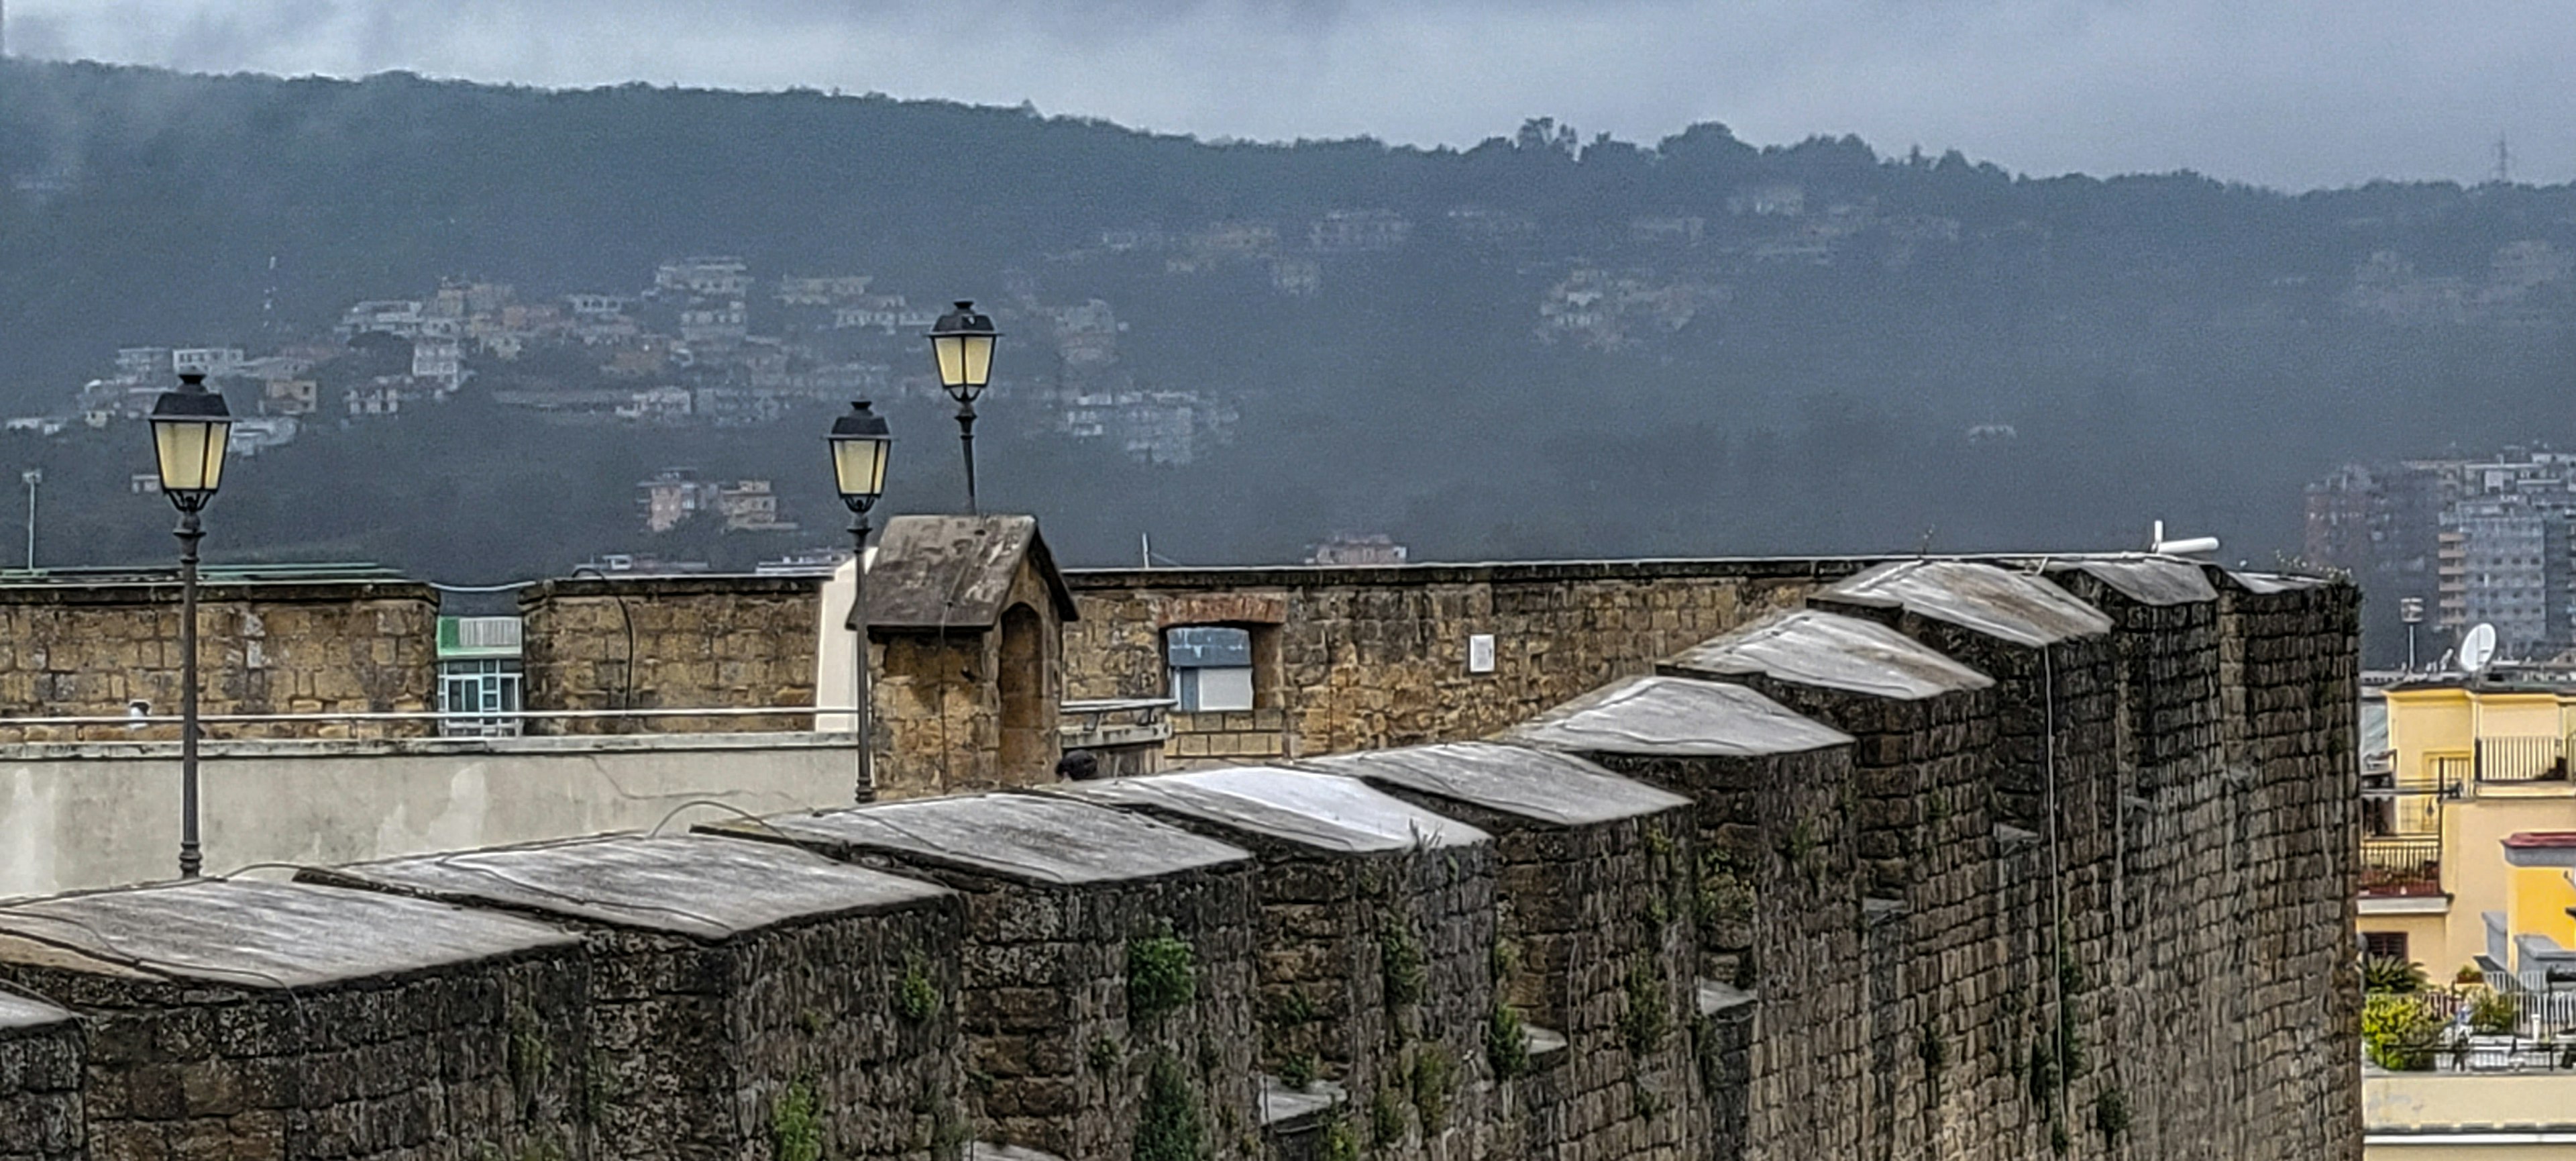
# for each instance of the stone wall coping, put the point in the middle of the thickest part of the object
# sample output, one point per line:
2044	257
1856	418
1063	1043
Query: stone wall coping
1034	838
141	591
988	1151
20	1014
1715	997
2003	603
696	885
260	935
680	585
1539	785
295	748
1813	647
2148	580
1676	717
1324	811
1492	572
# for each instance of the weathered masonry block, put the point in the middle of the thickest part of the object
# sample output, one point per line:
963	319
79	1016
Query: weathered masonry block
745	997
1362	658
240	1019
1377	942
1774	892
40	1083
1109	967
2289	649
264	647
1924	731
2055	776
2178	818
678	642
1595	947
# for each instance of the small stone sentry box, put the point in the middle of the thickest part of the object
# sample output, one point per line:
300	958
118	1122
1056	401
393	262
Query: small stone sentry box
1108	970
1593	874
1377	936
40	1082
969	614
746	996
243	1019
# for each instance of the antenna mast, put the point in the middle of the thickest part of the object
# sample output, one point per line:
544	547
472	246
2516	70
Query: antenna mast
2504	161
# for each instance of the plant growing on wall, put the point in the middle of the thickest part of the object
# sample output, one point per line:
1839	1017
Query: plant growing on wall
915	999
1506	1042
1645	1023
796	1124
1162	974
1167	1127
1401	962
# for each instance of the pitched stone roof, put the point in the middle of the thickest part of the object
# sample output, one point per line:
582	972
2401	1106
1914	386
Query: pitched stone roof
1029	837
1317	810
955	572
1679	717
1998	602
1540	785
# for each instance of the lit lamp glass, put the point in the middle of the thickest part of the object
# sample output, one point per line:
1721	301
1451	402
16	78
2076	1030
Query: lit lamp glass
963	340
191	430
860	443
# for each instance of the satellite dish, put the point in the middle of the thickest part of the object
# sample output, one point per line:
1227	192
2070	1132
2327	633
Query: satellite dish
2477	649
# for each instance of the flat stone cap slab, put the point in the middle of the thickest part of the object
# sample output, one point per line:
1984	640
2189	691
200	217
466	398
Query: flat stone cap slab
20	1014
1998	602
2268	583
1557	789
2148	580
1030	837
696	885
1325	811
1676	717
1831	651
252	934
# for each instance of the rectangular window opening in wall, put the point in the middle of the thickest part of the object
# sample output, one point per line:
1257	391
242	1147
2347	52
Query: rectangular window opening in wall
478	687
2384	944
1222	667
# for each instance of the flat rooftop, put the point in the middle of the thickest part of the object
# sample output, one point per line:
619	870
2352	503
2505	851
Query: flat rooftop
696	885
1030	837
252	934
1552	788
1325	811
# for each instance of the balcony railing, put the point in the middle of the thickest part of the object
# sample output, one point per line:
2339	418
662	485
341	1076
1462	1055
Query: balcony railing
2393	866
2530	759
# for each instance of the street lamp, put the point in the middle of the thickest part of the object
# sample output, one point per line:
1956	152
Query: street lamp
190	430
962	344
860	443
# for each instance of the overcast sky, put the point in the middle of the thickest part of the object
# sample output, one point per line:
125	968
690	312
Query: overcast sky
2293	93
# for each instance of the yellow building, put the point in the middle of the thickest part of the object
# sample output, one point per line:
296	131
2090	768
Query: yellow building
2470	829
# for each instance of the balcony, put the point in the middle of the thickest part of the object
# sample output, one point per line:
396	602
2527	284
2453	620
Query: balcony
2401	866
2527	759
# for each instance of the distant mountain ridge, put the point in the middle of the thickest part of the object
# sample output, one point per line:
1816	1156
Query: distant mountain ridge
1542	344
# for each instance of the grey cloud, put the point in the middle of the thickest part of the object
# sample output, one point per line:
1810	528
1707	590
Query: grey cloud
2295	92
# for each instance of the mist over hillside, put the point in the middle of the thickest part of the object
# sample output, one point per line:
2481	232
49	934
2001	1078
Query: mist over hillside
1547	345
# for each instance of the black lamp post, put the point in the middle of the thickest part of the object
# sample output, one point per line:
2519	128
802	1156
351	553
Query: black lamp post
860	443
190	431
962	343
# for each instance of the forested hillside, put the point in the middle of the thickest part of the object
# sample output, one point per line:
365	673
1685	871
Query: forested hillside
1543	345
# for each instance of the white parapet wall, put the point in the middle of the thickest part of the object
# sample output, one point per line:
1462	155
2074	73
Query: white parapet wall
77	816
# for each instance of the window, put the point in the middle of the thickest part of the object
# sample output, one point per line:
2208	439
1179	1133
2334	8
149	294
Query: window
1211	668
2384	945
481	686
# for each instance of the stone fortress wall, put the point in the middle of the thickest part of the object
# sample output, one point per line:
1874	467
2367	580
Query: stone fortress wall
1942	859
